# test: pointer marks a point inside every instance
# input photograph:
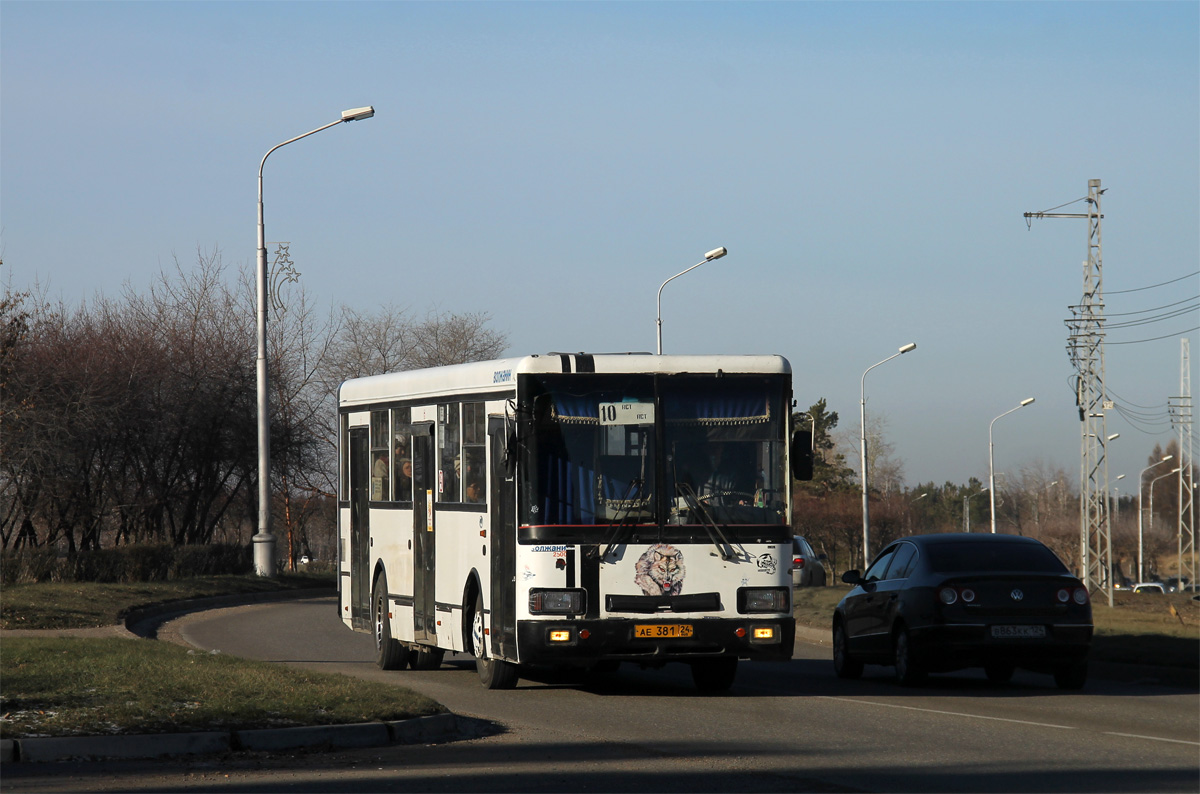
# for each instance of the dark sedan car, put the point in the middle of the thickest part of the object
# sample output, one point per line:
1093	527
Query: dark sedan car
936	603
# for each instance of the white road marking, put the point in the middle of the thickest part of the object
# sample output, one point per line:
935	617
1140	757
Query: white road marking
948	713
1003	719
1152	738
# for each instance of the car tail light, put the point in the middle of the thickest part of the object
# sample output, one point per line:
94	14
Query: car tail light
798	562
949	595
1077	594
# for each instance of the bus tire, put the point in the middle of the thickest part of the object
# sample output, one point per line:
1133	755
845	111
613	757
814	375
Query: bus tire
390	653
714	675
426	657
493	673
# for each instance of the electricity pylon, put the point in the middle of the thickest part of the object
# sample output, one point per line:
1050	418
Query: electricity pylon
1085	347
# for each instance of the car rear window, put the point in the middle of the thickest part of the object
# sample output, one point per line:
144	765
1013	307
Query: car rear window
988	557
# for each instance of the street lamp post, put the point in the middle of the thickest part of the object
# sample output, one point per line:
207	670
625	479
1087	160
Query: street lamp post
1141	577
1175	470
264	541
967	508
716	253
991	460
862	405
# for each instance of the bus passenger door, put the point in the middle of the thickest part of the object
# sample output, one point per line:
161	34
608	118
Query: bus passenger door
502	537
360	549
424	547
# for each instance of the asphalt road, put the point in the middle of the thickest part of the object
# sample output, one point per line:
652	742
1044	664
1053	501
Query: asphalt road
783	727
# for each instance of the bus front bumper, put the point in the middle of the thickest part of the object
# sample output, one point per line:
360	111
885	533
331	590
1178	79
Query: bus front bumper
652	642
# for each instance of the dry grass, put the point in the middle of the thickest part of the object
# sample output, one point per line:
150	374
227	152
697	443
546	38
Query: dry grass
70	686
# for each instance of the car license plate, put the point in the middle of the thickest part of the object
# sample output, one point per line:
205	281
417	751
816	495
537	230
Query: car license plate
657	630
1019	632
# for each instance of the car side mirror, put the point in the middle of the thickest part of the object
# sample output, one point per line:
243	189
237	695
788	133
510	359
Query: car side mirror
852	577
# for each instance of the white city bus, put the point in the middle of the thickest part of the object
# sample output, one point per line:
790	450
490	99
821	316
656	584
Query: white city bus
571	510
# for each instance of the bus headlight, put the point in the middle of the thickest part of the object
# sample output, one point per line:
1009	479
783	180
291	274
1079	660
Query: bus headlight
543	601
762	599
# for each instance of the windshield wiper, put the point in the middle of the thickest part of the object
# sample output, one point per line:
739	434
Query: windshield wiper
617	533
706	520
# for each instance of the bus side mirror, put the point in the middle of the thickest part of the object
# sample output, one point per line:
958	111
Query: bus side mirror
510	455
802	455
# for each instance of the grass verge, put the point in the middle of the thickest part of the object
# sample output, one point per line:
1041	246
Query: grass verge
71	686
83	605
1162	630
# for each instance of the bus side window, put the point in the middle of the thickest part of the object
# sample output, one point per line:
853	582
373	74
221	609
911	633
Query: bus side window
401	456
449	451
474	453
380	481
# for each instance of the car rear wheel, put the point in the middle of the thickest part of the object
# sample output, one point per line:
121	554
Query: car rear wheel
999	672
1071	676
909	671
844	664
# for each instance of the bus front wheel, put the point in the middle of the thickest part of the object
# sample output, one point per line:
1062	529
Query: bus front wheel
493	673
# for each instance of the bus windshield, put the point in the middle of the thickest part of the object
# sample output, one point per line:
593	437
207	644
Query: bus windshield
656	449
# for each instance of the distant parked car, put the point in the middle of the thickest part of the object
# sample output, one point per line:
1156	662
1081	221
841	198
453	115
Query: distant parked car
936	603
1157	588
808	567
1172	584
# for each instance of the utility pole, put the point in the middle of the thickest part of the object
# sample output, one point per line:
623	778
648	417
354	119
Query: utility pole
1085	347
1181	417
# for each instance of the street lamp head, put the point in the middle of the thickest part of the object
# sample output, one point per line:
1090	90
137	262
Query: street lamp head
908	347
1027	401
1166	458
716	253
357	114
1113	437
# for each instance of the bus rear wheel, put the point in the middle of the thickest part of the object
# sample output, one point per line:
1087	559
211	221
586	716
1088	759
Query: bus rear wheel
426	657
493	673
390	653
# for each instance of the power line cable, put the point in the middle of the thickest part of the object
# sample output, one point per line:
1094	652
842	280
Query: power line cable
1152	286
1155	339
1157	319
1157	308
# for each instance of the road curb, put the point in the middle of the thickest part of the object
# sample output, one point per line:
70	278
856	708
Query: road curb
419	730
144	622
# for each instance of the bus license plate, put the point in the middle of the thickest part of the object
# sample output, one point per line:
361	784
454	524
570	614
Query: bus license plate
1019	632
657	630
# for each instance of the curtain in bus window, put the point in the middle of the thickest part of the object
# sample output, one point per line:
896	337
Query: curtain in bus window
568	490
576	409
728	405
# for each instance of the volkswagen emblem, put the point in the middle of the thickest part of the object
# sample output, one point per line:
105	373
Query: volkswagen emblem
1017	595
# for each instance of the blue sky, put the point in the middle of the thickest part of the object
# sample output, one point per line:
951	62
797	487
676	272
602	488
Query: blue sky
866	164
